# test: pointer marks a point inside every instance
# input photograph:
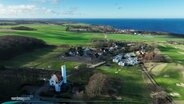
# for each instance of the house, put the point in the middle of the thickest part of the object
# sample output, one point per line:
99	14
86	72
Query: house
111	49
117	58
57	80
126	59
132	61
87	51
128	55
121	63
53	80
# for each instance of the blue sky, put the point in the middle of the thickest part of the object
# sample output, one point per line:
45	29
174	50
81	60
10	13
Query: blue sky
91	8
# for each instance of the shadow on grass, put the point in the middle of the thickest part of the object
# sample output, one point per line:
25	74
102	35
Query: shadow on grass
174	76
166	49
26	58
62	36
173	53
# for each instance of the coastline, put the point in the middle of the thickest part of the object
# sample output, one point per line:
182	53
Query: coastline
77	27
133	26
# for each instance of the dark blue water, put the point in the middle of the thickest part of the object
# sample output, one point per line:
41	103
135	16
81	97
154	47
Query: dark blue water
154	25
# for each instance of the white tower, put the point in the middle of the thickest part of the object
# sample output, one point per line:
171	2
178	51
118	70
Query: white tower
63	71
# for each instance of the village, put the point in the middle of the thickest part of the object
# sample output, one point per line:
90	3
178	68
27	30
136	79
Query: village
102	69
130	53
108	29
105	53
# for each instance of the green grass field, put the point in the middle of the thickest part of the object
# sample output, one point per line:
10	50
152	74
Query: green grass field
176	54
173	71
132	80
169	77
132	86
56	34
47	58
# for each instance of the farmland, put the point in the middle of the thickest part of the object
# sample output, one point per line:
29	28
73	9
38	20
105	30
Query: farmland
133	87
136	91
56	35
170	75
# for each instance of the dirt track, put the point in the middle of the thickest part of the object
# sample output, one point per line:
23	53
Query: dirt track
157	91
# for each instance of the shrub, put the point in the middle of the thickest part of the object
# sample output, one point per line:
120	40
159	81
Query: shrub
23	28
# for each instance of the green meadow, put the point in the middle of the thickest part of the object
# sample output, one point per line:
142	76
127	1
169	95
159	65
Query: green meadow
56	35
133	86
169	77
173	73
176	54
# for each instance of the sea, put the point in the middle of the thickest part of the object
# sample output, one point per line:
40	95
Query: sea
172	26
175	26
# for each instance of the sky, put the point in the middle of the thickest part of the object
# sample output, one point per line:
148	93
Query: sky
91	8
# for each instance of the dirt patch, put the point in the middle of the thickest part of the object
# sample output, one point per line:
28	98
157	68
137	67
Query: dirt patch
159	68
180	84
181	53
179	101
166	76
156	68
180	67
175	94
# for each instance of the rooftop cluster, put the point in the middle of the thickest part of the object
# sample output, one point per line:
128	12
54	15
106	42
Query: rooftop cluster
126	59
122	53
108	29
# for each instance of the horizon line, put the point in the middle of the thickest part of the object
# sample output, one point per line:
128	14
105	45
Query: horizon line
80	18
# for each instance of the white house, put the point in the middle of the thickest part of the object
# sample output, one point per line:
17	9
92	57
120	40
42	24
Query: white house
117	58
127	59
58	80
53	80
121	63
132	61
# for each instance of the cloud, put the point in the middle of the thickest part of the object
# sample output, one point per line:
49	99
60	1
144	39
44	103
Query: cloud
25	10
70	11
16	9
34	11
45	1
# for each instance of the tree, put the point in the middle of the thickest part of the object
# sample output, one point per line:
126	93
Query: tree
23	28
97	85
